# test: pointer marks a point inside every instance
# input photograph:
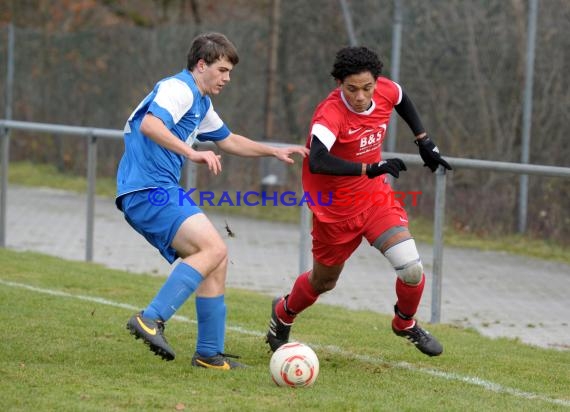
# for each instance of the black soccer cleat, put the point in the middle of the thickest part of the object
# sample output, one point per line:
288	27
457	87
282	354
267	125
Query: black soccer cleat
421	338
278	334
152	333
220	361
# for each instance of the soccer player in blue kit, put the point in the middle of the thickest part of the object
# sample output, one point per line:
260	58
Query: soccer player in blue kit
158	139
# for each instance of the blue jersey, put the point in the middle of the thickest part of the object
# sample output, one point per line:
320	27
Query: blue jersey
177	101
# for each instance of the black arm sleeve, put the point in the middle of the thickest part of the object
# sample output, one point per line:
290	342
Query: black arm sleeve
408	112
324	163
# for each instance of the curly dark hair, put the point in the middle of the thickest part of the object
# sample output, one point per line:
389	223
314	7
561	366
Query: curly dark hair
354	60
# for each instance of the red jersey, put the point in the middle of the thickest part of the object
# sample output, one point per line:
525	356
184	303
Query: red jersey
352	136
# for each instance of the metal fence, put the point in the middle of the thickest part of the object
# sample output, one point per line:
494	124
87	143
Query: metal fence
470	67
94	134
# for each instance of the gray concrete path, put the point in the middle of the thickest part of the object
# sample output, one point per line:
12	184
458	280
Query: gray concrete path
496	293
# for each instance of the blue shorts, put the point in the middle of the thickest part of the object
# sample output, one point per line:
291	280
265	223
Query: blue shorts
157	215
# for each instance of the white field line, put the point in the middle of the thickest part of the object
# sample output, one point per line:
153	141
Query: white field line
472	380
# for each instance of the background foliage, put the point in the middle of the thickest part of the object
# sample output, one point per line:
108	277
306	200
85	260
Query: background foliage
89	62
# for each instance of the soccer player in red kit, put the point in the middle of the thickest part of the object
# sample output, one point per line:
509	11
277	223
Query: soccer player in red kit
346	179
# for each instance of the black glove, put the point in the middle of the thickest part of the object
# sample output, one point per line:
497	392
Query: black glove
392	166
430	154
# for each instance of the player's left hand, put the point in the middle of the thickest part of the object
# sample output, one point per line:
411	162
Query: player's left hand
284	153
430	154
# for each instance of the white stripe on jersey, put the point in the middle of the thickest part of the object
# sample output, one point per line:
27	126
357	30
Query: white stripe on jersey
174	96
399	93
210	122
324	134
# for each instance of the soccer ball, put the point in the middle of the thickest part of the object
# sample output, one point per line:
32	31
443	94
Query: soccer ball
294	364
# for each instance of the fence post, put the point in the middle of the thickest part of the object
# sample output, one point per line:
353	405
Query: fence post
348	23
10	71
527	113
5	134
438	221
395	71
305	240
91	182
5	143
190	173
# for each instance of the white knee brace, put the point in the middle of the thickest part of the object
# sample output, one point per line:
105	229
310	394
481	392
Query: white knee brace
406	261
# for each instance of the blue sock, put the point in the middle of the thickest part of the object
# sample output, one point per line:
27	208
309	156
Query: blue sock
211	314
181	283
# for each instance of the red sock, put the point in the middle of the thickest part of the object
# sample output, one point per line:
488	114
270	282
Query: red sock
409	297
301	297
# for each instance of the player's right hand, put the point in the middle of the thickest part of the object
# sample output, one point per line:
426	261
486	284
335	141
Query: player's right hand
392	166
208	157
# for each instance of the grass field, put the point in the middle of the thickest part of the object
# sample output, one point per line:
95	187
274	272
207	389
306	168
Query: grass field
65	348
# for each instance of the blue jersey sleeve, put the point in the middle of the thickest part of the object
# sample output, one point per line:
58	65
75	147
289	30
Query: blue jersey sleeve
215	135
212	126
172	100
162	114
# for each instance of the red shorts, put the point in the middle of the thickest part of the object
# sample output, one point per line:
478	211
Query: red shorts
333	243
